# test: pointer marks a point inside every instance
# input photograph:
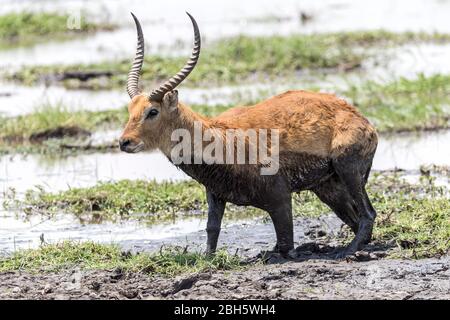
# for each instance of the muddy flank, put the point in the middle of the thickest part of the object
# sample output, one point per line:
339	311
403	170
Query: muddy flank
310	273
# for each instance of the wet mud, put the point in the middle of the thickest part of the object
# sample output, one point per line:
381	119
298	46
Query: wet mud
59	132
311	271
309	279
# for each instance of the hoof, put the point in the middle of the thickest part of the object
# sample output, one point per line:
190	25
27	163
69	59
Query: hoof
274	258
346	253
342	255
271	256
285	251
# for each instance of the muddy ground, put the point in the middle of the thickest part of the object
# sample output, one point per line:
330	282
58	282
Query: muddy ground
311	273
311	279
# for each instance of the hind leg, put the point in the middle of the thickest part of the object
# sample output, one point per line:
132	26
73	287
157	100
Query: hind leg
281	215
352	171
335	195
277	201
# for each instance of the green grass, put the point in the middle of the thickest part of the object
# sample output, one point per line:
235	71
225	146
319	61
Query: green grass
17	132
92	256
146	201
26	28
241	58
124	199
228	61
405	105
416	217
47	117
387	38
419	228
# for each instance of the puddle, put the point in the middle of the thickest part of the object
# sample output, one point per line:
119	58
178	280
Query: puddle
19	100
244	234
408	61
409	151
439	179
19	233
25	172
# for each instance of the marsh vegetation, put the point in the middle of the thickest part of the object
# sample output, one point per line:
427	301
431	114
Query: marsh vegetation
236	60
30	28
413	214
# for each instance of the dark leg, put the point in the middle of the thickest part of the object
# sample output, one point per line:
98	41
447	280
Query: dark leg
280	211
334	194
352	172
216	208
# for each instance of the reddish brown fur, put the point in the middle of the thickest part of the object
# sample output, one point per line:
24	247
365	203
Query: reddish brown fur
313	123
325	146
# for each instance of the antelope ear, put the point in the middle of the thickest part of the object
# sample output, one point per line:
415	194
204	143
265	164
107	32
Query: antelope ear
170	100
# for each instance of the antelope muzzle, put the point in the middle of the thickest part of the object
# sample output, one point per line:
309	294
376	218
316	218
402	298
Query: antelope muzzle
130	146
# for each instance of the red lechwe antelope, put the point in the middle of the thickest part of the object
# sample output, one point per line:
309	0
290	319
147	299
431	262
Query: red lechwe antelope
325	145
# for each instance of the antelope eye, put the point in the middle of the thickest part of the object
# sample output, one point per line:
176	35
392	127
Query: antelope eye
152	113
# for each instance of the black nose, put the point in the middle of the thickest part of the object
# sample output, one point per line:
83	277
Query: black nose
124	143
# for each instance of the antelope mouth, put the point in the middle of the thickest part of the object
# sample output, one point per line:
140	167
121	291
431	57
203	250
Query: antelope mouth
134	148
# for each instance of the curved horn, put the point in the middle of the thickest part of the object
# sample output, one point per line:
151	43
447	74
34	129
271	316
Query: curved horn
133	75
173	82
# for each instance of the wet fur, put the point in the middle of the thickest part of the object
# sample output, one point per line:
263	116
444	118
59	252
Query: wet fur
326	146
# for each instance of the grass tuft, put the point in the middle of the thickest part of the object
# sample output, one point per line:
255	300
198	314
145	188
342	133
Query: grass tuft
93	256
26	28
405	105
49	116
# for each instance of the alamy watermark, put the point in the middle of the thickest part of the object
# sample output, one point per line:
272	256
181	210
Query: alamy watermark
227	146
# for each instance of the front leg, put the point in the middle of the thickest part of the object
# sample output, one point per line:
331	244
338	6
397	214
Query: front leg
216	208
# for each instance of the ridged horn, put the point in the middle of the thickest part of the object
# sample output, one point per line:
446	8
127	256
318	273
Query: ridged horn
133	75
172	83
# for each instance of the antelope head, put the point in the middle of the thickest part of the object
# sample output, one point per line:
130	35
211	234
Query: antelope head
151	114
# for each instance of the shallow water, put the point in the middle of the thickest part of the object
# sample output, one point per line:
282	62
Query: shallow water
167	25
18	100
24	233
408	151
24	172
408	61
